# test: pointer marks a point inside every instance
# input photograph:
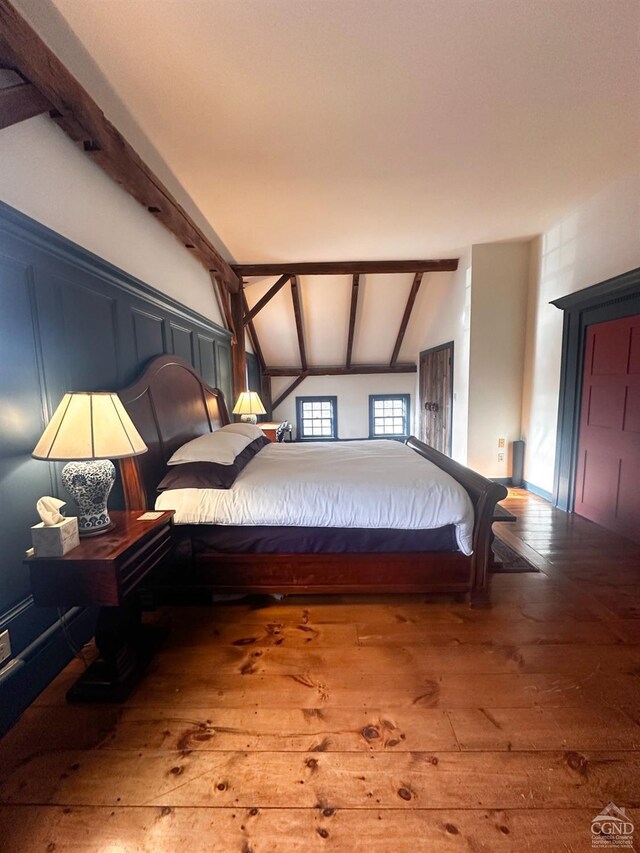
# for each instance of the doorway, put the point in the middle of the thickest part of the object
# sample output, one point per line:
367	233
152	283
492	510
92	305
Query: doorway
613	299
608	460
435	397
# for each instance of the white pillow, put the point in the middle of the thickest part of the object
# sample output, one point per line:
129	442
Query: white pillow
219	446
250	430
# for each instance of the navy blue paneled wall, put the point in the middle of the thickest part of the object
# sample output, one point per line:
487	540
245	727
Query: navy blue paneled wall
69	321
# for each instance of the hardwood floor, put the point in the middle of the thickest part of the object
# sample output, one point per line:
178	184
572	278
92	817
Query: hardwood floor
383	723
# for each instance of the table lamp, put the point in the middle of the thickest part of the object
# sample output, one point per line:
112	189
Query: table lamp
248	405
90	429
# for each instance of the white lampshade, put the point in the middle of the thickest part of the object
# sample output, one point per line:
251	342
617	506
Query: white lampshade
248	403
89	426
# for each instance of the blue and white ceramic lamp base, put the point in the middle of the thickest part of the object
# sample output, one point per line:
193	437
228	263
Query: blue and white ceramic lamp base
89	484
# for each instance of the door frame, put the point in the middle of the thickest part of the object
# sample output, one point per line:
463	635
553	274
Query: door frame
612	299
451	347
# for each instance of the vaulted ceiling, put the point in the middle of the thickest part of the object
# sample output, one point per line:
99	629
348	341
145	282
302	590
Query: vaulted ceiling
300	130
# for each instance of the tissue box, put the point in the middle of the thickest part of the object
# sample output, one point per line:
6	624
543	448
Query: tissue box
56	540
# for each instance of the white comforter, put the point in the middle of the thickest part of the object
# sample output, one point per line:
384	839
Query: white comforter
381	484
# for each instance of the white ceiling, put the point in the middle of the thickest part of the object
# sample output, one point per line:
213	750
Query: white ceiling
361	129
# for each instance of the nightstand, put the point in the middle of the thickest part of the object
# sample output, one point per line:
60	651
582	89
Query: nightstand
270	428
106	571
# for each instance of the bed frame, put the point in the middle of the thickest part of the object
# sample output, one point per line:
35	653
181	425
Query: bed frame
170	404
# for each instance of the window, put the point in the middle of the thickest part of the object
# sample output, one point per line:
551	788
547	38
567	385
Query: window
317	418
388	415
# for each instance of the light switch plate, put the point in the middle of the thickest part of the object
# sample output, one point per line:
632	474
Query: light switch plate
5	646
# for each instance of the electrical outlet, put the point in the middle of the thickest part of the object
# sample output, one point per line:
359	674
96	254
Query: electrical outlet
5	646
500	457
501	442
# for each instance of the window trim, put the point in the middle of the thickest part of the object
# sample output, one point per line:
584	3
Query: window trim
406	398
333	399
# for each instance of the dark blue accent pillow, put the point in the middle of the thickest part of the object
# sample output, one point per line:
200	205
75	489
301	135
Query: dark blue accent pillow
210	475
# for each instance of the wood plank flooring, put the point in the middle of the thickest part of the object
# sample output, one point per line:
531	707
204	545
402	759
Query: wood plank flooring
380	723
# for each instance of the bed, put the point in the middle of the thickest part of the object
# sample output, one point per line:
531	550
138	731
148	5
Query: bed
170	405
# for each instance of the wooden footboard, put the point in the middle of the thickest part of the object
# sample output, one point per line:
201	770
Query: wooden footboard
484	495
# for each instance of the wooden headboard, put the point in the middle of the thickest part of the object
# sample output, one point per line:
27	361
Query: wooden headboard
169	405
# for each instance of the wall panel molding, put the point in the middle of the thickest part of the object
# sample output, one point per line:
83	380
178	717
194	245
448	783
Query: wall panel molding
69	321
14	222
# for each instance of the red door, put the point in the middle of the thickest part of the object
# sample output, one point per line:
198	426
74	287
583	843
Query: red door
608	476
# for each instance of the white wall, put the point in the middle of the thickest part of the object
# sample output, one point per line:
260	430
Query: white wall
442	314
46	176
598	240
352	393
499	282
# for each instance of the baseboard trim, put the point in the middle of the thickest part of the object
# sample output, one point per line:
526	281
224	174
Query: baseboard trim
27	674
502	481
541	493
15	612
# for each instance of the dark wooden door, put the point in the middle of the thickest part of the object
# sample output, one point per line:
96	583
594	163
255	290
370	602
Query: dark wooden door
608	465
436	397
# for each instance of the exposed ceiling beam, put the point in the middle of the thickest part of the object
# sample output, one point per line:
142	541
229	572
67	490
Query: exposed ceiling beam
348	267
238	352
297	310
222	295
415	287
21	102
354	370
22	50
352	317
288	390
265	394
280	283
253	336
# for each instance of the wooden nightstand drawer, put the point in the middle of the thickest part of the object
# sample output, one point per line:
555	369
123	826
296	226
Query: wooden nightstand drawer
131	572
103	570
56	585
